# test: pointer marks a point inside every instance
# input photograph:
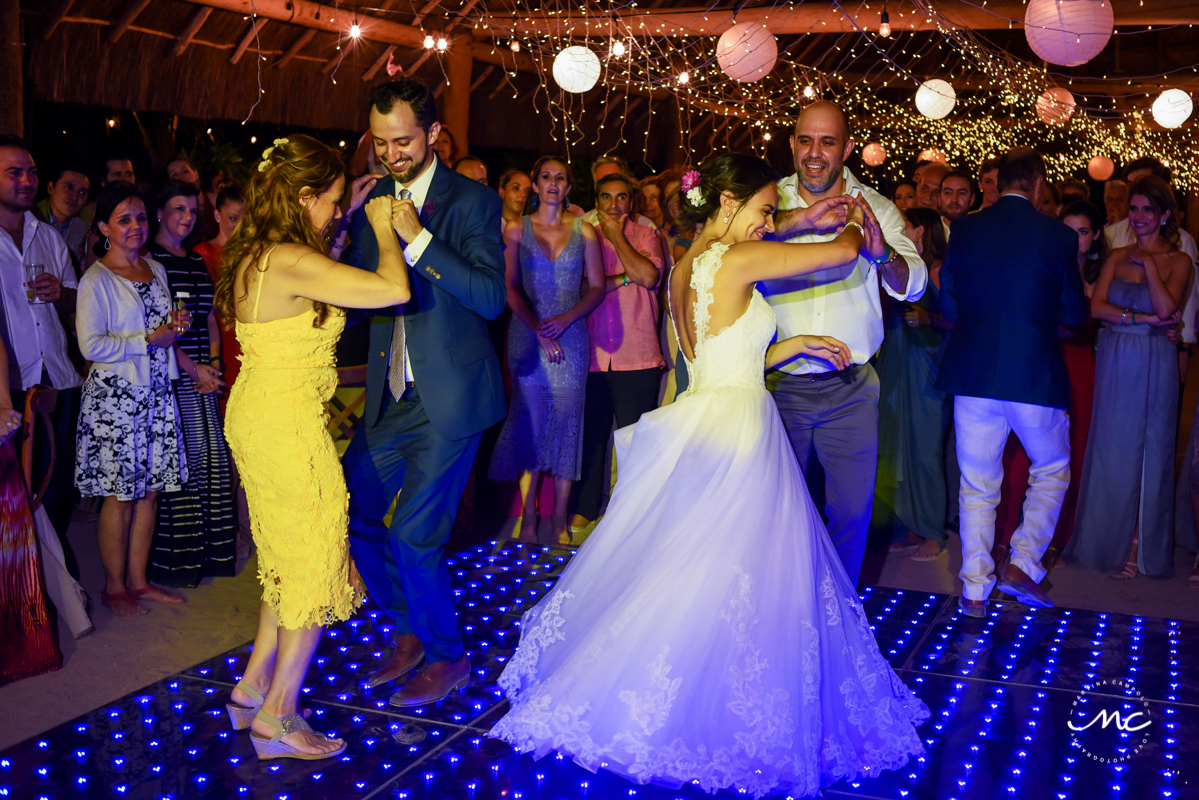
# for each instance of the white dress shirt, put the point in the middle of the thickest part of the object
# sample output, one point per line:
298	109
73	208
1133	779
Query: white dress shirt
1119	234
413	251
844	302
32	333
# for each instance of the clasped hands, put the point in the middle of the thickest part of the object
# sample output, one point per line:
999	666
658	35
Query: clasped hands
399	215
831	214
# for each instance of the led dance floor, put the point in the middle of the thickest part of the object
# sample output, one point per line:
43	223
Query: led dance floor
1003	692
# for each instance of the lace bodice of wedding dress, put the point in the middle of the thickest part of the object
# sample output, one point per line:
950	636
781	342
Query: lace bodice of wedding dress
735	355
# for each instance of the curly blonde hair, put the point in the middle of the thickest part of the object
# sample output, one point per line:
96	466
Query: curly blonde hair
273	214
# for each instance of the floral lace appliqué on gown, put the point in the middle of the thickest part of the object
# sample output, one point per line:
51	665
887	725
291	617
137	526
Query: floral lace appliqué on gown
707	631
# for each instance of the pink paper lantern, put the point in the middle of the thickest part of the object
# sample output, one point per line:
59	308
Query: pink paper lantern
874	154
747	52
932	154
1055	106
1101	168
1068	32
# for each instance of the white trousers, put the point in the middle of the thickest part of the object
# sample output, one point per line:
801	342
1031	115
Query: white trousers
982	426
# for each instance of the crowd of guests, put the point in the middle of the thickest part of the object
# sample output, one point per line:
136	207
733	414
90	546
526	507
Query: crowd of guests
108	298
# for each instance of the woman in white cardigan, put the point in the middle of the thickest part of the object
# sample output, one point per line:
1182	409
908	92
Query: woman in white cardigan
130	443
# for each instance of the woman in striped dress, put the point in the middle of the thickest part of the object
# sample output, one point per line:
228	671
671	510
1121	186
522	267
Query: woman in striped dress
196	533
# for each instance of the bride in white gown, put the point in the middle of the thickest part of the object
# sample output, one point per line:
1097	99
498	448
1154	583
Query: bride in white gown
707	632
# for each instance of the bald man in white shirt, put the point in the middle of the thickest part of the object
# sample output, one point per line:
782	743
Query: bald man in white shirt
837	411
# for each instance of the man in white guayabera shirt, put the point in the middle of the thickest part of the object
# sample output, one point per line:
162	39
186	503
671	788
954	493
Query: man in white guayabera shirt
837	411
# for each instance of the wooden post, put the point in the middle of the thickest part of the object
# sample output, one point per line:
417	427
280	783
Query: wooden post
12	100
455	107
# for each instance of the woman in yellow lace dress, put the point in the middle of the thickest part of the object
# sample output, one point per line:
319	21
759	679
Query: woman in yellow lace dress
286	296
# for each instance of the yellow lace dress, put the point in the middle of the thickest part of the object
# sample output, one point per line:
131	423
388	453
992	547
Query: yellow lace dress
276	428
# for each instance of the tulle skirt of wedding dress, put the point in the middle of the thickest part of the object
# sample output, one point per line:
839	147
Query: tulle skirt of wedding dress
707	632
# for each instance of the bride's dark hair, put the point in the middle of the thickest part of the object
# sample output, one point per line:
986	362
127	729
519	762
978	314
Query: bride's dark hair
740	174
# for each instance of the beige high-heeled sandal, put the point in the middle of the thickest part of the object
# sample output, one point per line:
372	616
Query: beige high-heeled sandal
275	747
241	716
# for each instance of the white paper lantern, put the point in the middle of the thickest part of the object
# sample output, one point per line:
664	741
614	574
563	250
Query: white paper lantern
935	98
874	154
1172	108
1068	32
1101	168
1055	106
576	69
932	154
747	52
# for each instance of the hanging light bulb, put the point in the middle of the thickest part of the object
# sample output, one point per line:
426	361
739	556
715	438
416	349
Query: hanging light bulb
355	30
884	27
684	77
766	137
442	44
514	46
809	91
429	43
618	48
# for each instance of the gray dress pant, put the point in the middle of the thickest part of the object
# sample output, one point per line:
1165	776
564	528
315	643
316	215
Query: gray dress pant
839	417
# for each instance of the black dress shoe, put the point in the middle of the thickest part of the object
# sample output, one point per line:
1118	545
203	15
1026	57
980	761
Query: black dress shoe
408	654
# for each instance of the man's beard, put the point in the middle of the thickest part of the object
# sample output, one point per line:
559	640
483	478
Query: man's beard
820	188
408	175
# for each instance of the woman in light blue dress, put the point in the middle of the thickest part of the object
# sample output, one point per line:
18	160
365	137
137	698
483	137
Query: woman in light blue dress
1125	521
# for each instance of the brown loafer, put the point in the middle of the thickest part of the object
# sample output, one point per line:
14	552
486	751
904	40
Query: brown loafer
435	680
408	654
973	608
1016	583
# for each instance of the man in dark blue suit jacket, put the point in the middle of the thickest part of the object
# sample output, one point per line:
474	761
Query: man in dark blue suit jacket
1010	278
433	385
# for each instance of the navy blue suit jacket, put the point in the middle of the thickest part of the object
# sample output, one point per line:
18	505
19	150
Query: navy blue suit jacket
457	285
1010	277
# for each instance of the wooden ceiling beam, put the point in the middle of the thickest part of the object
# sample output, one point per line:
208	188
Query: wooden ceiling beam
194	24
322	17
484	75
249	36
823	17
61	11
295	47
126	19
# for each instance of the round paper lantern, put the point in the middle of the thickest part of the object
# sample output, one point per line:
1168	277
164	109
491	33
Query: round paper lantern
1101	168
935	98
1055	106
1068	32
874	154
932	154
1171	108
576	69
747	52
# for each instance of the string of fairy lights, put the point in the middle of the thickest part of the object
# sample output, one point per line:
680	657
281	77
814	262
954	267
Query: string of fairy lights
865	73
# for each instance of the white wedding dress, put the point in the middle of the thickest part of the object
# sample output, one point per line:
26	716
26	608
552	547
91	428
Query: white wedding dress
707	632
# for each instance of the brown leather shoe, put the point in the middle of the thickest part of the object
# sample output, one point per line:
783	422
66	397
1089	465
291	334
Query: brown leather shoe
1016	583
435	680
408	653
973	608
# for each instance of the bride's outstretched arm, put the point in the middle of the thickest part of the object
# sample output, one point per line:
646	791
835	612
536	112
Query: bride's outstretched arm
764	261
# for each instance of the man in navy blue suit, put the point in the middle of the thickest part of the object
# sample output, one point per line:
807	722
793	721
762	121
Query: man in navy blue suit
1009	279
433	385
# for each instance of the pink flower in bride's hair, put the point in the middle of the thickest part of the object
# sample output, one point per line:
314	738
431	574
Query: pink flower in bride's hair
691	179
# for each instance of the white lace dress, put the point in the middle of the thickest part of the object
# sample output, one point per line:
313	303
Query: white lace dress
707	632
